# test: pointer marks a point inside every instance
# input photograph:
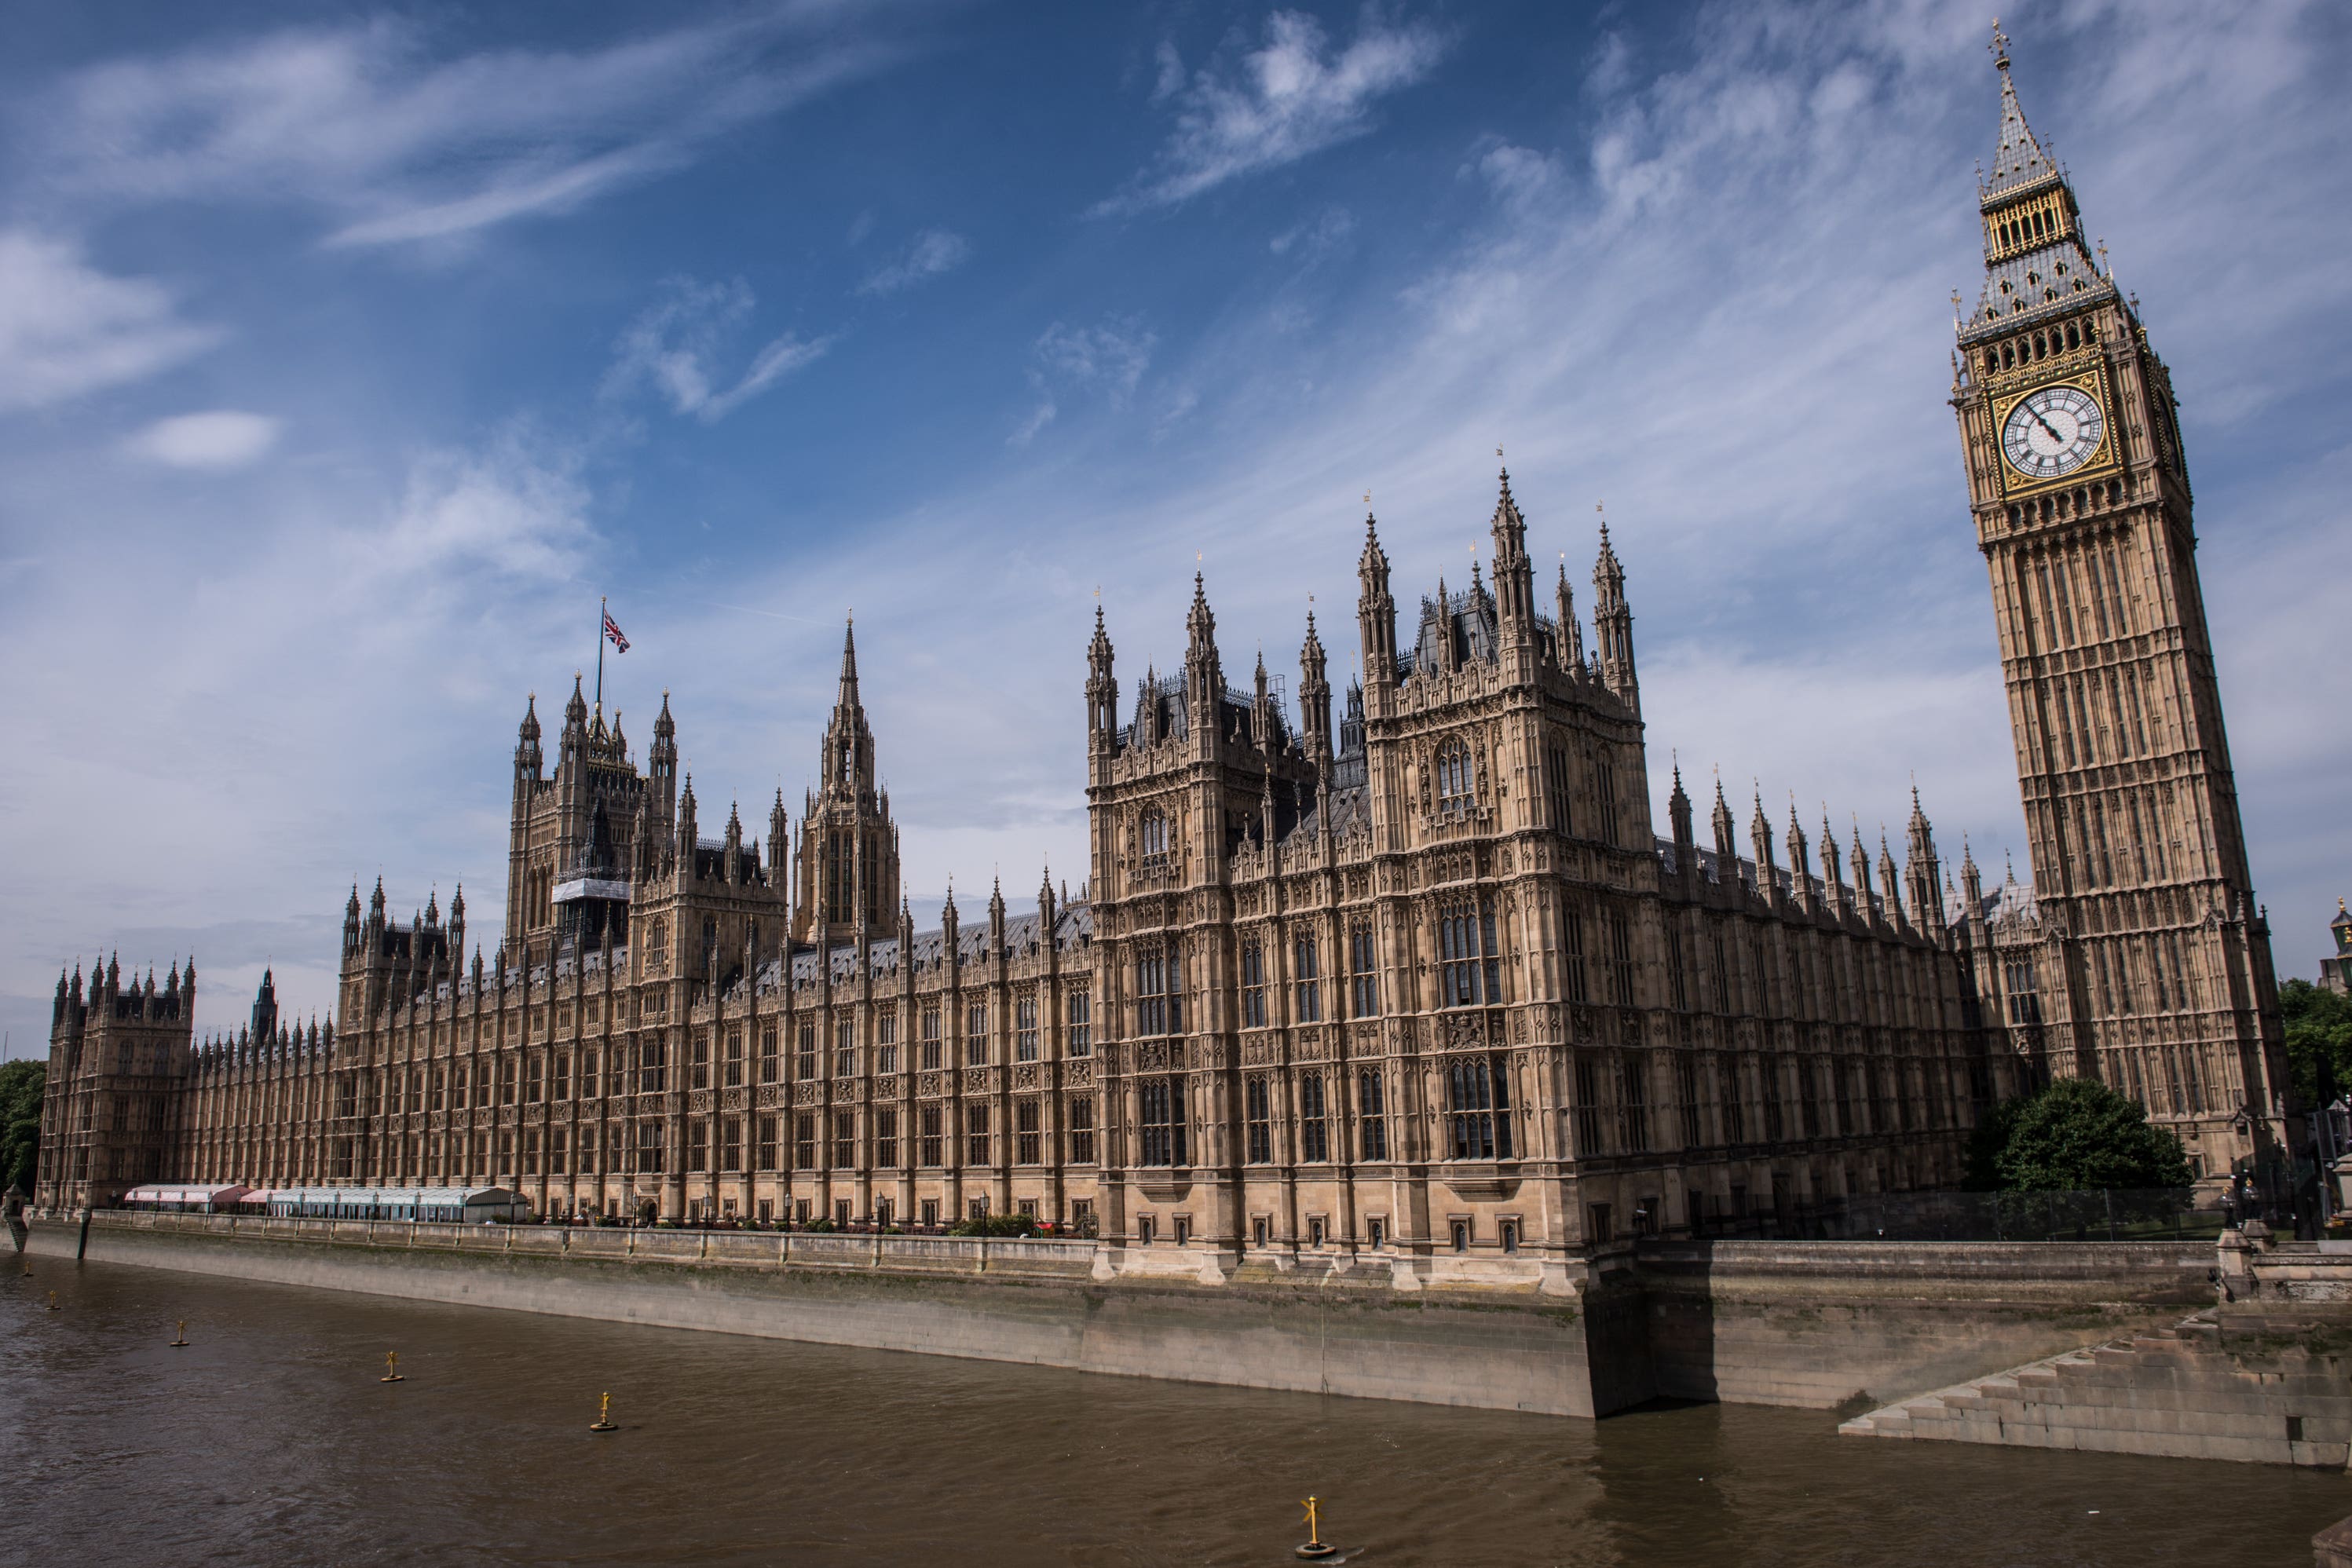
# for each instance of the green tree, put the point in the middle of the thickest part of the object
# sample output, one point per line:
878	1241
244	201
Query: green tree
2318	1036
20	1121
2076	1135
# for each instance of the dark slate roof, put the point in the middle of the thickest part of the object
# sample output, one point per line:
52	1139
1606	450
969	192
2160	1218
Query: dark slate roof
1711	868
1072	928
1350	808
1464	620
2009	904
2035	287
2020	161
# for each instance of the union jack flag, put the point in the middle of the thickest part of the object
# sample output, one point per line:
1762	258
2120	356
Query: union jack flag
612	631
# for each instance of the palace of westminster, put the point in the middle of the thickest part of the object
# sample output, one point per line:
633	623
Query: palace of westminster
1412	972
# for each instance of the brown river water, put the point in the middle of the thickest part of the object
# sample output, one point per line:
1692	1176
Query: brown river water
269	1439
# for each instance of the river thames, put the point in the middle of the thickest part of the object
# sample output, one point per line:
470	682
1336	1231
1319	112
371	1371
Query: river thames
269	1439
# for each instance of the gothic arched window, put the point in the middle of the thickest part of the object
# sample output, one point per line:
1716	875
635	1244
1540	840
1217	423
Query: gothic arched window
1152	837
1160	991
1456	791
1469	957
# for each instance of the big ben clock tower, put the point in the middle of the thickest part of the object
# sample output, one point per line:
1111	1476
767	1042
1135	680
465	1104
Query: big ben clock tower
2152	957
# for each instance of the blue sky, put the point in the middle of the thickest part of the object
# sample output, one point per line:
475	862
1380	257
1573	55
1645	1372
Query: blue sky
348	355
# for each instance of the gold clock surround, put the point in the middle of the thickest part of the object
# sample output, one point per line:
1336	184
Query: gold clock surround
2093	381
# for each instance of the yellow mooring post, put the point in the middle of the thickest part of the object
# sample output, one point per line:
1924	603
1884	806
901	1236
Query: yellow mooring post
604	1422
1316	1545
181	1343
392	1368
53	1303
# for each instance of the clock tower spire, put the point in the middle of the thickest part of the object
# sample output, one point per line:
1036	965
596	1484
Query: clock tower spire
2150	954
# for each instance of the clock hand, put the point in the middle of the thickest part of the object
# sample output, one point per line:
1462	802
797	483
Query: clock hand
2046	424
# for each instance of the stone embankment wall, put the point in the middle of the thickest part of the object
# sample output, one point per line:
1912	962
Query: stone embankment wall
1033	1301
2223	1385
1821	1323
1812	1323
2264	1376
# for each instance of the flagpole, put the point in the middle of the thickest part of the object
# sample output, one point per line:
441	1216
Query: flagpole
600	654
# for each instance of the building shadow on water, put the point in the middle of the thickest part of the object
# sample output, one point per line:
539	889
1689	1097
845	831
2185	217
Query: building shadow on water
1658	1471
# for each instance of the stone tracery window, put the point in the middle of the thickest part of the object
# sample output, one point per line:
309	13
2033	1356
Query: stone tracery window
1363	970
1478	1107
1158	991
1457	789
1371	1114
1470	964
1314	1130
1024	1028
1160	1104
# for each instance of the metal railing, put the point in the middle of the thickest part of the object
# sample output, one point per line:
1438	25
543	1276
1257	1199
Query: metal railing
2112	1215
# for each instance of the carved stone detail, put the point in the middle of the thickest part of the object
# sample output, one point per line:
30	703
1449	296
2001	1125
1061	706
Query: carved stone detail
1464	1033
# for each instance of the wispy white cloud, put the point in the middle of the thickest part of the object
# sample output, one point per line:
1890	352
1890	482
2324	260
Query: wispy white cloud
1289	97
395	144
1716	298
1039	416
258	650
218	440
516	507
1168	77
1112	354
1316	238
1514	175
68	329
1106	360
676	344
934	252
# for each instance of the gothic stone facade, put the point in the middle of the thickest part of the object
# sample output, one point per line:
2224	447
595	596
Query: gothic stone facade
1422	983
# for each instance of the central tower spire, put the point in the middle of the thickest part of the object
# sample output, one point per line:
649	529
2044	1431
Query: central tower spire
848	859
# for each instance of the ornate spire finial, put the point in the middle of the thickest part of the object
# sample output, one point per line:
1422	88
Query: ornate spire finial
2000	46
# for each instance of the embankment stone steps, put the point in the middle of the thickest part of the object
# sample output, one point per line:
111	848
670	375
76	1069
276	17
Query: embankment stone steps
2254	1387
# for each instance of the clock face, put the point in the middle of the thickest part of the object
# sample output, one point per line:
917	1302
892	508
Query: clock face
2052	431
